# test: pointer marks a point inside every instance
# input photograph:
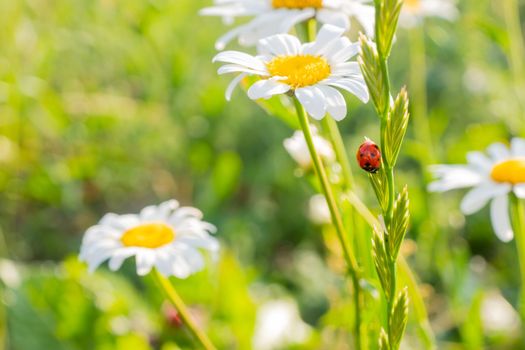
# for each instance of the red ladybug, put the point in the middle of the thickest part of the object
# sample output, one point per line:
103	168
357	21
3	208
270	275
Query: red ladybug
369	156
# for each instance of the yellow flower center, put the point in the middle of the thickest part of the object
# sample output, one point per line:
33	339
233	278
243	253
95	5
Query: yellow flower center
151	235
300	71
412	5
512	171
297	4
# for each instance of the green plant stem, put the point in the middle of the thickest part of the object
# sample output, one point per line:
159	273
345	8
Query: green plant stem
174	297
405	274
518	223
516	48
389	171
327	189
339	149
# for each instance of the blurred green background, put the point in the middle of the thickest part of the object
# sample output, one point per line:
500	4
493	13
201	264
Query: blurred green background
112	105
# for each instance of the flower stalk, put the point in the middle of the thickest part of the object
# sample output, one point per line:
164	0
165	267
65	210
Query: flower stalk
351	262
394	122
174	297
339	148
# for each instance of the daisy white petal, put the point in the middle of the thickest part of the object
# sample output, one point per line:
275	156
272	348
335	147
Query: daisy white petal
233	84
344	54
354	86
325	37
499	215
453	177
519	190
145	260
276	45
480	161
335	102
498	151
152	238
294	17
338	19
347	69
240	58
517	147
313	101
269	17
478	197
267	88
118	257
235	68
363	13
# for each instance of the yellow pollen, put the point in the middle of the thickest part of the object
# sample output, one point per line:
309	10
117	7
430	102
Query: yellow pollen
300	71
297	4
151	235
511	171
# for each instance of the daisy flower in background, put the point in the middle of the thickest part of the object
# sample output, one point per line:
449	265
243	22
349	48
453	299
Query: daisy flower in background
493	178
165	236
318	210
310	71
280	16
415	10
298	149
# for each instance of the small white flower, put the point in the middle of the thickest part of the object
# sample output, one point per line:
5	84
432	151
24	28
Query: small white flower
310	71
414	11
492	177
298	148
279	325
279	16
166	237
318	210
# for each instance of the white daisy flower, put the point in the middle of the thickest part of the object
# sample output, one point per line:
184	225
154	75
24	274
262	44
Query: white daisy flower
492	177
298	148
309	71
166	237
414	11
279	16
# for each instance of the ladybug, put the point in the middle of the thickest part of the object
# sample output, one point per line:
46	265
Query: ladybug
369	156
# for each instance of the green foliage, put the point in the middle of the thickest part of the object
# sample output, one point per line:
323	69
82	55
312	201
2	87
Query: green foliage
379	184
372	72
386	23
383	340
400	221
396	127
399	318
382	262
114	105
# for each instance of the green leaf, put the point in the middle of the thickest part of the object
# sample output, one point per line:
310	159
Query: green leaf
379	184
382	263
372	72
387	15
383	340
400	220
398	321
396	127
